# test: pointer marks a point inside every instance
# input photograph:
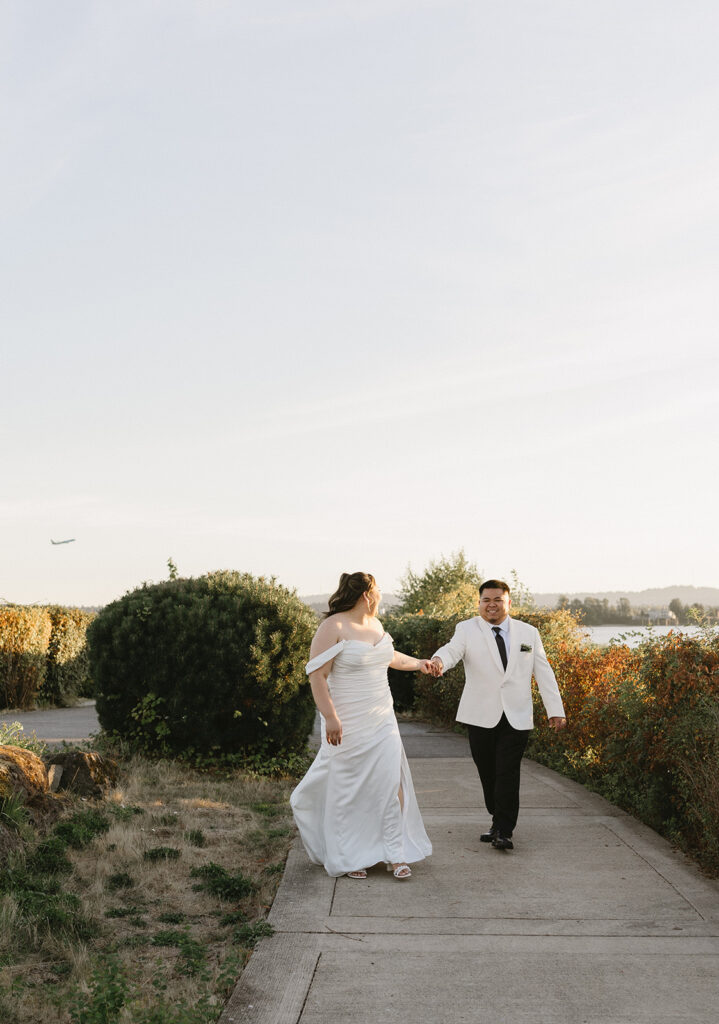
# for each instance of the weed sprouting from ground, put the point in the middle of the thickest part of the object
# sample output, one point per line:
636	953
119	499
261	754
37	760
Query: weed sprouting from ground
80	829
49	858
220	883
106	997
171	917
161	853
270	810
13	735
248	935
122	813
192	952
13	813
119	880
196	837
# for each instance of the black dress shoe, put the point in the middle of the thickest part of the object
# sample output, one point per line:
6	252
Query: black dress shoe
488	837
501	842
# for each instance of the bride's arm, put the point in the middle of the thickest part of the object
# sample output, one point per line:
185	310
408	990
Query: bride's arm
324	639
405	663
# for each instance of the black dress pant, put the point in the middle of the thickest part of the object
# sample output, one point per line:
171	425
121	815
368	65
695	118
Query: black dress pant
497	752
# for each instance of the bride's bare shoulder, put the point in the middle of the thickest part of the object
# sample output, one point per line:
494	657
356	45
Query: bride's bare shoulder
327	636
329	630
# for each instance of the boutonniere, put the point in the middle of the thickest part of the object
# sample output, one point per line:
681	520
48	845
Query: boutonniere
525	648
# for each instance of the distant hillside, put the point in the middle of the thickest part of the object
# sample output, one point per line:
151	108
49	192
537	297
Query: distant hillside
657	598
319	601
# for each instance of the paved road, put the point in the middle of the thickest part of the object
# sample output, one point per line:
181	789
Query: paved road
74	725
593	919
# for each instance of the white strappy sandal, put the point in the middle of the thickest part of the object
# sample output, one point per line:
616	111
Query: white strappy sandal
357	874
401	871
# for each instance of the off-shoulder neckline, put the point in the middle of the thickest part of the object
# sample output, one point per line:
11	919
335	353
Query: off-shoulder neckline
352	640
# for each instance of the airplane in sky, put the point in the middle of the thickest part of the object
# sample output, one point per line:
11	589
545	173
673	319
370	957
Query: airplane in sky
70	541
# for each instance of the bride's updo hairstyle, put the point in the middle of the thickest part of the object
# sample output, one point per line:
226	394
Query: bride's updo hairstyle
351	588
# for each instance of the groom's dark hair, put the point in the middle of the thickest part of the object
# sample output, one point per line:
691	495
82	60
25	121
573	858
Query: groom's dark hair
494	585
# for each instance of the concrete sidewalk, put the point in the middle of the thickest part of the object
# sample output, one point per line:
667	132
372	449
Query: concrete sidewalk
593	919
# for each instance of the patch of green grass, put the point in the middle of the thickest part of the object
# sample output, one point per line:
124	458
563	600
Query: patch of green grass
44	907
49	858
196	837
167	820
279	833
171	917
161	853
13	812
135	942
234	917
192	952
108	994
122	813
248	935
120	880
274	869
270	810
8	1012
220	883
122	912
79	830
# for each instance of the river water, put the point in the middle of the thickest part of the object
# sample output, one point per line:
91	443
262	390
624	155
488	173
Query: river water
633	635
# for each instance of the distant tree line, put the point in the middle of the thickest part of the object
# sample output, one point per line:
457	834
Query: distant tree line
689	614
595	612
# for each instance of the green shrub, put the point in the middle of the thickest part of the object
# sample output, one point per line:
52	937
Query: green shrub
448	588
220	883
196	837
205	667
12	734
13	812
43	905
248	935
420	636
68	667
49	858
158	853
108	994
81	828
119	880
24	637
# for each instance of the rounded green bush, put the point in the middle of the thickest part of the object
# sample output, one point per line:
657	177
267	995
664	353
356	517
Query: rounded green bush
206	666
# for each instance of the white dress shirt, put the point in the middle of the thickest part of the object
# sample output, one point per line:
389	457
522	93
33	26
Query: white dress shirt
504	626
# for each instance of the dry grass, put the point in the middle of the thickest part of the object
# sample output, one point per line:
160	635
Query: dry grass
243	824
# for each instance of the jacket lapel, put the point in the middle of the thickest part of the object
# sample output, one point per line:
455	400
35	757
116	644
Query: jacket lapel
491	642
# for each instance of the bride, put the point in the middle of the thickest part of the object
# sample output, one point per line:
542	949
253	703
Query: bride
356	805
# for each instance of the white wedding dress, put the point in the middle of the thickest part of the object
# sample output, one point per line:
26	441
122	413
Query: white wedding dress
347	806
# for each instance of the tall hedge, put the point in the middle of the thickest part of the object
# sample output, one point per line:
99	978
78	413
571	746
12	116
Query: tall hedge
419	636
24	637
67	674
205	666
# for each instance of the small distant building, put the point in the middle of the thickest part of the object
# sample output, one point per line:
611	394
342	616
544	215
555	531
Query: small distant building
660	617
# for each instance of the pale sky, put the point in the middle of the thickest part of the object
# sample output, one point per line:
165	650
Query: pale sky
297	287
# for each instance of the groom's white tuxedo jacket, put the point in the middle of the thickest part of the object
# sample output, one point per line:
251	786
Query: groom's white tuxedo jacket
489	690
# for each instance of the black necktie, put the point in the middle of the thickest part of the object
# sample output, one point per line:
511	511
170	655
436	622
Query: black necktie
500	644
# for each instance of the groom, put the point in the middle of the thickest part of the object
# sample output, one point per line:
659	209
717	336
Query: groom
500	657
